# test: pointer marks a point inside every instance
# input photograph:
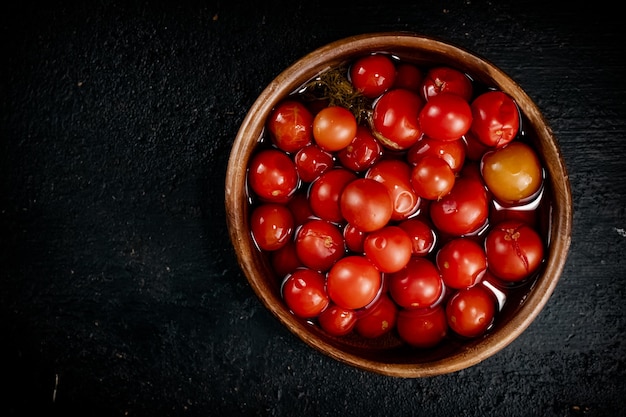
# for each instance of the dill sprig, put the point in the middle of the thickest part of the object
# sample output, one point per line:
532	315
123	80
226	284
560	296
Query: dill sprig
334	87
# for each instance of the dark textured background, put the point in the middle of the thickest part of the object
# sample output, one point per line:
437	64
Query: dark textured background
120	294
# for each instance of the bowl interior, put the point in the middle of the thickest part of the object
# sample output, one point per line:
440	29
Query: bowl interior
388	356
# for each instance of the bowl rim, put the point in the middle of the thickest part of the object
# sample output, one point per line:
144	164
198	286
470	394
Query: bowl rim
327	56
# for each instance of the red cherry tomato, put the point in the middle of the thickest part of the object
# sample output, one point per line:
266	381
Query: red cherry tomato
453	152
409	77
379	319
432	178
312	161
304	293
354	238
338	321
422	328
496	118
388	248
513	173
418	285
362	152
395	119
366	204
471	311
334	127
464	210
514	250
353	282
445	117
319	244
372	75
272	176
325	193
290	126
421	234
441	80
285	260
462	262
395	174
271	225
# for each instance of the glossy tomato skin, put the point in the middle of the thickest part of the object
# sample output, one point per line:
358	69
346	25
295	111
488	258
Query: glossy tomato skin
422	328
363	152
514	250
290	126
334	127
354	238
366	204
312	161
453	152
442	80
464	210
462	262
513	173
389	248
432	178
272	176
395	118
372	75
304	293
337	321
319	244
471	311
325	193
417	285
379	319
445	117
395	174
422	235
353	282
495	118
271	225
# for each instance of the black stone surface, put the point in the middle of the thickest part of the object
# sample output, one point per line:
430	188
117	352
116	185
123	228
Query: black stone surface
120	294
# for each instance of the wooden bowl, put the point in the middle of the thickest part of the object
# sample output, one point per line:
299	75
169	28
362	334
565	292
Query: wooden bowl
388	357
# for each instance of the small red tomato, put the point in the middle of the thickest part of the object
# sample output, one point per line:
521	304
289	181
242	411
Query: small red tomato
409	77
462	262
271	225
453	152
514	250
362	152
445	117
319	244
325	193
464	210
395	174
395	118
312	161
389	248
272	176
379	319
353	282
304	293
432	178
290	126
422	328
366	204
372	75
334	127
421	234
336	320
441	80
471	311
496	118
354	238
418	285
